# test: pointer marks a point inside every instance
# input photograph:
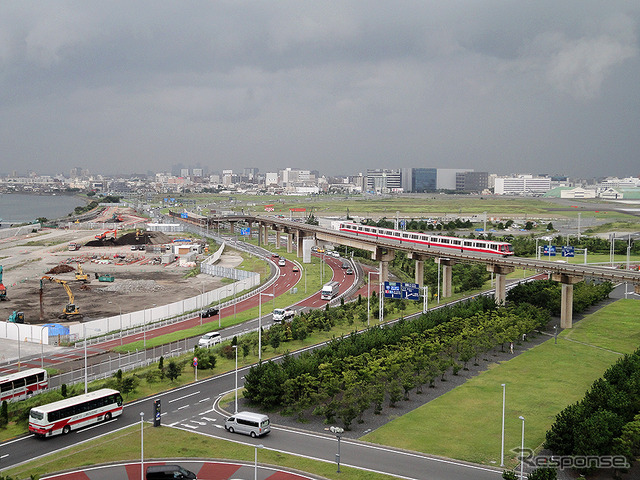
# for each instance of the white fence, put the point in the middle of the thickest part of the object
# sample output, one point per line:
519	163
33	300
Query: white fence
24	332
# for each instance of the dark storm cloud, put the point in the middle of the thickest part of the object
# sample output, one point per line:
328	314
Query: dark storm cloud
338	86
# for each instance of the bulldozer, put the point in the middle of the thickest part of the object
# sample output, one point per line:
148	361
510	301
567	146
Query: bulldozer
70	310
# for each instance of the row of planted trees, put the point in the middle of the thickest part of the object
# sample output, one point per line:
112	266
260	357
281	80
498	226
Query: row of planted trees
384	364
606	422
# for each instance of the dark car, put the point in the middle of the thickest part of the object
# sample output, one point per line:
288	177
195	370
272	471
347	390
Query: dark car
169	472
210	312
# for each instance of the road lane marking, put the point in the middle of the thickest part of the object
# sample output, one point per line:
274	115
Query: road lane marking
185	396
204	400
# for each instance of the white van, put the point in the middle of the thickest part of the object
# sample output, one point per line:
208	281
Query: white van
209	339
254	424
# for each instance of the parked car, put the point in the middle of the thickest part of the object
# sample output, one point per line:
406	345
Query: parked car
209	339
210	312
282	314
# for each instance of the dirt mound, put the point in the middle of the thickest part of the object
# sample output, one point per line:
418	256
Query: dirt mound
61	269
144	238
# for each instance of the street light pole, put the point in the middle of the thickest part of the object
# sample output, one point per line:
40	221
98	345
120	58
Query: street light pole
522	451
255	468
141	445
260	324
201	302
369	295
84	334
42	346
337	431
504	392
236	390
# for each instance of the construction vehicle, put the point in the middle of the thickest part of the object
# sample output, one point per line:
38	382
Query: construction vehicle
81	276
103	235
73	246
106	277
16	317
3	289
116	217
70	310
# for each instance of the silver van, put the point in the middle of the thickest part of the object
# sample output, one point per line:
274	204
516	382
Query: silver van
254	424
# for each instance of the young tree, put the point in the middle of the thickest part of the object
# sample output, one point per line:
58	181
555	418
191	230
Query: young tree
173	371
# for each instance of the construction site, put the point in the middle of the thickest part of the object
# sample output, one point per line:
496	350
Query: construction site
64	276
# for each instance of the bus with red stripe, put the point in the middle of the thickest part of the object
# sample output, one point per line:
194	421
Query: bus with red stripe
75	412
21	385
476	245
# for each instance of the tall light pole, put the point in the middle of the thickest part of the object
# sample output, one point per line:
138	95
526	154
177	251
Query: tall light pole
260	324
337	431
42	346
236	390
522	451
369	295
255	468
141	445
84	334
201	302
504	392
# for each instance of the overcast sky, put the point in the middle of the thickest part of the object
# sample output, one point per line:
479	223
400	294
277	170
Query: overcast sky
545	86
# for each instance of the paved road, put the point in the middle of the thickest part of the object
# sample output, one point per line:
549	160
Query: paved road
193	408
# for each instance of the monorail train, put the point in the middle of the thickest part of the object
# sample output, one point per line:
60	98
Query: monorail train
439	241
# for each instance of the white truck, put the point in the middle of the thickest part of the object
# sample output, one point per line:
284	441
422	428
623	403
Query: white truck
330	290
282	314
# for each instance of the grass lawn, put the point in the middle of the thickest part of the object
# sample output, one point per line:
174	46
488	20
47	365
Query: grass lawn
166	442
465	423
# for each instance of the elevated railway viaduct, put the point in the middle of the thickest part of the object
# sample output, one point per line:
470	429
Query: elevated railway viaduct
383	251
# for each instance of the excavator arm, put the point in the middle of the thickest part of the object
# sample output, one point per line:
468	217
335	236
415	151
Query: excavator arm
70	309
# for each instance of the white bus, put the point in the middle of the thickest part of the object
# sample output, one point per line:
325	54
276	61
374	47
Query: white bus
21	385
75	412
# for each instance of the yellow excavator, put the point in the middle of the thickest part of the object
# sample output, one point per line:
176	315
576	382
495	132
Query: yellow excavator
71	310
81	276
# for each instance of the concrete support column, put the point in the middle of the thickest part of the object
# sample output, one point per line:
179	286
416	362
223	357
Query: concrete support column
289	242
501	273
447	270
384	256
277	238
566	306
265	233
299	239
384	271
231	227
419	279
419	275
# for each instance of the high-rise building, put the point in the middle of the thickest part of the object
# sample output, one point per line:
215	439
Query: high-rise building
472	181
384	180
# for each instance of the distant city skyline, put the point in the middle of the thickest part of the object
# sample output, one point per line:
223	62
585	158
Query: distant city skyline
339	86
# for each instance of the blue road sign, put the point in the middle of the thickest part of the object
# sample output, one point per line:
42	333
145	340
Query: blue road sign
392	290
245	231
397	290
550	250
568	251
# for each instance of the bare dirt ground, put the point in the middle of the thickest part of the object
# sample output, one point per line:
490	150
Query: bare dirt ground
138	282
